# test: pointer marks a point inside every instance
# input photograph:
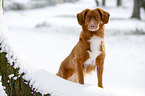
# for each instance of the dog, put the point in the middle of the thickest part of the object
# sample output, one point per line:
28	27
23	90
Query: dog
89	51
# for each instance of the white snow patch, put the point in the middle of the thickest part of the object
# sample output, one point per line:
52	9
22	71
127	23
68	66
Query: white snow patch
11	75
4	87
15	78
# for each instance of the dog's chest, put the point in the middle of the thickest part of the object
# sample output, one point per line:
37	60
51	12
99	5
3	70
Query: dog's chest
95	50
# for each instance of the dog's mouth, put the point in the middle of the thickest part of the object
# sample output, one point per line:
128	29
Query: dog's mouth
93	29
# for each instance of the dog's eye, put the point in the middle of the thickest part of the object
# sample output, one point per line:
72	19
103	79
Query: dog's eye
97	17
88	17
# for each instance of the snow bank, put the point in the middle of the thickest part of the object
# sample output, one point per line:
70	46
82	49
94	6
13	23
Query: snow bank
48	83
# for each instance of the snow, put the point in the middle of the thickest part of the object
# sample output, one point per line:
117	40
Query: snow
11	75
46	36
64	87
15	78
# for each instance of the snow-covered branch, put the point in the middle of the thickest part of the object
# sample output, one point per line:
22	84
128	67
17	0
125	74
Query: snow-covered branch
12	76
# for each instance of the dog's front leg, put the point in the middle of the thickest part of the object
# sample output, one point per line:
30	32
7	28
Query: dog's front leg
100	68
100	75
79	69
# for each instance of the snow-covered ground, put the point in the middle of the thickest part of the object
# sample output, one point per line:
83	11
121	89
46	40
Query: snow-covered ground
46	36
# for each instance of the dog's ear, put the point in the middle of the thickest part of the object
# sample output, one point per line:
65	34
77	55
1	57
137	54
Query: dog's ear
81	16
104	15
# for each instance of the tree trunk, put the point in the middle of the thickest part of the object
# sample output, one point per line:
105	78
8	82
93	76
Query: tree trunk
103	2
143	4
3	4
97	2
118	2
136	9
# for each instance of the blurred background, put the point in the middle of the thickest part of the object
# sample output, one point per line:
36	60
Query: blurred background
45	31
32	4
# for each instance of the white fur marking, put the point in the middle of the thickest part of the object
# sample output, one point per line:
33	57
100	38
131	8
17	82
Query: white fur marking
95	43
92	22
93	29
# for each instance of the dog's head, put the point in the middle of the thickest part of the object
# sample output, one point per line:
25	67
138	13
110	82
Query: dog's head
92	19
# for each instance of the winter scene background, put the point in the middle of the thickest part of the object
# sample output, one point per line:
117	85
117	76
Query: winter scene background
43	33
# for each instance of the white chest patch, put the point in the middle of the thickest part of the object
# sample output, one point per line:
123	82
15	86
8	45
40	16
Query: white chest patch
95	47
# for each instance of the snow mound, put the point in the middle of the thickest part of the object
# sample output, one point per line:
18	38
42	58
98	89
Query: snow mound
49	83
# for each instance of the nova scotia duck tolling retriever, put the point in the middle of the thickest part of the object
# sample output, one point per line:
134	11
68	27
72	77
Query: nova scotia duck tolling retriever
89	52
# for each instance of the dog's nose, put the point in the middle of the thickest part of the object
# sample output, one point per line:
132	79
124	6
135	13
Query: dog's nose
93	26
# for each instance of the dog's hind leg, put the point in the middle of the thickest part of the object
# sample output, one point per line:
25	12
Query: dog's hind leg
65	72
79	69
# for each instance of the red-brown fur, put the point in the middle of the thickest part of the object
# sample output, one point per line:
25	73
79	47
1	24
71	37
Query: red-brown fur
72	68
